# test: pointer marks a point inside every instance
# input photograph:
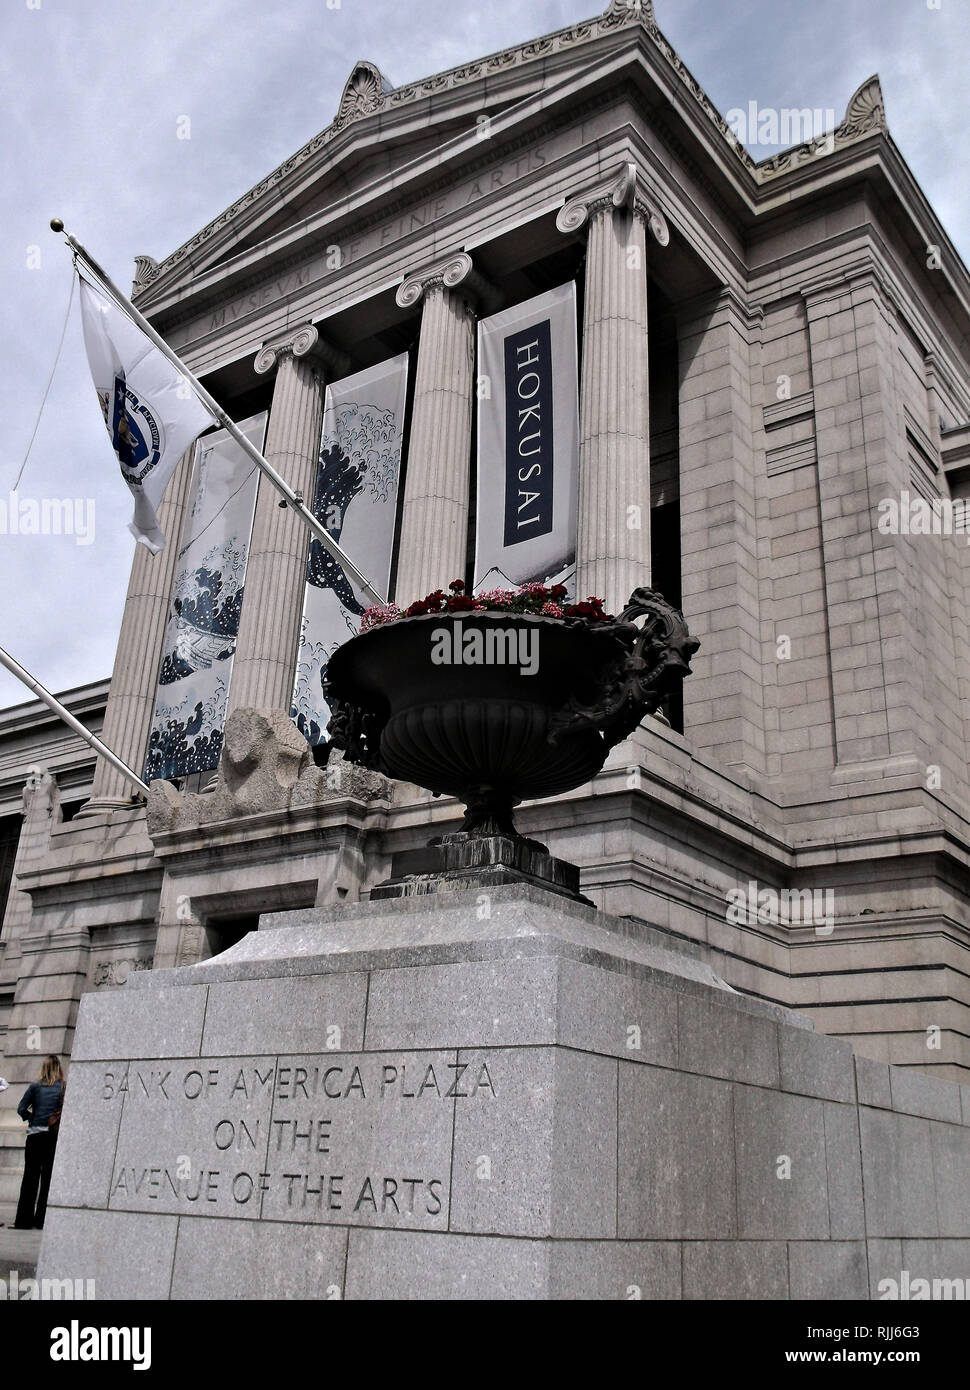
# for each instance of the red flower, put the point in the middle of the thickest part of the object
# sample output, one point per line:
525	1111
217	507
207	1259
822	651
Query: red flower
457	585
461	603
557	591
416	609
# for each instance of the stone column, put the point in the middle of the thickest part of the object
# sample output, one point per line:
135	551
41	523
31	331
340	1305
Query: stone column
613	546
269	630
434	524
131	699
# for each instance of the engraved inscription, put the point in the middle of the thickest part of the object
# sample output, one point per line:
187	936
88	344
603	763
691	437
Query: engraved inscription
363	1138
417	218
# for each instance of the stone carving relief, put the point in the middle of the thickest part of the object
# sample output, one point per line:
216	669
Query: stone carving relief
865	113
146	270
454	272
40	792
625	191
266	765
365	91
190	944
300	342
116	972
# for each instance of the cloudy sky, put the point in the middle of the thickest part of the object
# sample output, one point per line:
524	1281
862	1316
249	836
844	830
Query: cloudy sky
93	92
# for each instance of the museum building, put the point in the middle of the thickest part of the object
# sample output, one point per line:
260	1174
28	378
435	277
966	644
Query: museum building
773	368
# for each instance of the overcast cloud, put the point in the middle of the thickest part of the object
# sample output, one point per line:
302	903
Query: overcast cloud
93	90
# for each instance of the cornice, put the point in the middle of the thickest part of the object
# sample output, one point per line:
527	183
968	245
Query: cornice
864	114
81	700
864	271
366	95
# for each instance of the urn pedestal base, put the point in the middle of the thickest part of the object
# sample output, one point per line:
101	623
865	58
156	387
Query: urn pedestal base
445	1098
478	862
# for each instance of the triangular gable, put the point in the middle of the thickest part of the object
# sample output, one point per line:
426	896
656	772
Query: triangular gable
370	115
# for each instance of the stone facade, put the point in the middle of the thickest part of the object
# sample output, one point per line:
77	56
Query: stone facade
46	776
769	350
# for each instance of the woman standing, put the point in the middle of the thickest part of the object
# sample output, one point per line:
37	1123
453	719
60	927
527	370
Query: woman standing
41	1108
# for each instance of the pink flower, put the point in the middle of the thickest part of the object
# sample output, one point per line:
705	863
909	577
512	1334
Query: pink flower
379	614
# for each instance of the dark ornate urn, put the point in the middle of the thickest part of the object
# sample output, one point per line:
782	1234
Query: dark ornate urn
496	707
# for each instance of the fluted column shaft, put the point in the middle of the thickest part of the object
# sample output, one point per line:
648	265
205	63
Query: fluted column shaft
434	523
269	629
613	544
131	698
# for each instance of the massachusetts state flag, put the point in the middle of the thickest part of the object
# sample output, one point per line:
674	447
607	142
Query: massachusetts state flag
151	413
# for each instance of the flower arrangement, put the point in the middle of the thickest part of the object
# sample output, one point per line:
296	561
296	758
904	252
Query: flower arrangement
546	602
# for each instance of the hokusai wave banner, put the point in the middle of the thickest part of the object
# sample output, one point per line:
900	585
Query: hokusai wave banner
207	598
356	500
528	443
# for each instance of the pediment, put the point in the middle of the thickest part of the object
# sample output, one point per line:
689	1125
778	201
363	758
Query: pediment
347	180
376	125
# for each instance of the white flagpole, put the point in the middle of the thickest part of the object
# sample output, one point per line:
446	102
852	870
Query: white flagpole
15	668
293	499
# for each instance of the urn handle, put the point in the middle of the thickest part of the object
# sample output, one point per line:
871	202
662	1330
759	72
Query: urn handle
645	665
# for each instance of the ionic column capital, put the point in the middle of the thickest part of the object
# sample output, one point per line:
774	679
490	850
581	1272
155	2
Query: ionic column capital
303	340
622	191
456	273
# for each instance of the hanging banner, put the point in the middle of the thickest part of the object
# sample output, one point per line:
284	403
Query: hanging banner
356	500
207	597
528	443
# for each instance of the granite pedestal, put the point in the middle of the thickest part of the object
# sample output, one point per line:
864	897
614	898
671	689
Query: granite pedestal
496	1094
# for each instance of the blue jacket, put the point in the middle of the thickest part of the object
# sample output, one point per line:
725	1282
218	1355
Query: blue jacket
39	1103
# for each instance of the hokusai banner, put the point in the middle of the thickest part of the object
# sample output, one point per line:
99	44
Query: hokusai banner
207	597
528	443
356	500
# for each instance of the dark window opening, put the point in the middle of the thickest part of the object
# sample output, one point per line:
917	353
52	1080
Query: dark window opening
665	565
223	932
9	840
